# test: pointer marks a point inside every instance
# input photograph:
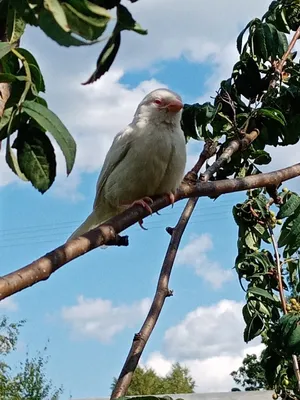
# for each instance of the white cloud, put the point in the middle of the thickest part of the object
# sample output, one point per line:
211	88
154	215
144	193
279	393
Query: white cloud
207	331
194	254
100	319
209	341
8	304
199	31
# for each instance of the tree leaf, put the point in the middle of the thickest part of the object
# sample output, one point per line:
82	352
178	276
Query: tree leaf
261	157
37	77
95	9
254	328
12	161
51	123
106	58
126	21
36	157
285	231
5	48
260	292
6	77
15	24
88	27
58	13
47	23
272	113
289	206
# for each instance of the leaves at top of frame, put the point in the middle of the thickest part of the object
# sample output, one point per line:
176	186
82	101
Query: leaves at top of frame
15	25
127	22
51	123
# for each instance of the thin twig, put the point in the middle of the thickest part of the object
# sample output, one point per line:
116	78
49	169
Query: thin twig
232	147
42	268
162	291
279	275
280	65
282	298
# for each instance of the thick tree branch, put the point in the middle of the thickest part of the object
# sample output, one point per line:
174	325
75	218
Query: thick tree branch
140	340
42	268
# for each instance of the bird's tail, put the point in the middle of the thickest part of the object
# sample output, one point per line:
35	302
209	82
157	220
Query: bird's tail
90	223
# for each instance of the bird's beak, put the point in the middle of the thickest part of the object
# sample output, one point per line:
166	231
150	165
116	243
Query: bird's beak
175	106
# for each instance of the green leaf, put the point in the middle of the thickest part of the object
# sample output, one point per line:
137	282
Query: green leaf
15	24
254	328
51	123
257	291
261	157
126	21
290	205
12	161
36	74
95	9
282	44
47	23
58	13
36	157
88	27
106	58
272	113
261	40
5	48
5	77
285	231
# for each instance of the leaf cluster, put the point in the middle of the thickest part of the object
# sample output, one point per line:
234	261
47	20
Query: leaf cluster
259	94
70	23
257	267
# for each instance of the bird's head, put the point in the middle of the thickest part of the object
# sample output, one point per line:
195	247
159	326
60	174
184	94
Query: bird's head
160	105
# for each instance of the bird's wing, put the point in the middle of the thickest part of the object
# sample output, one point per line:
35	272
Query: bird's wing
115	155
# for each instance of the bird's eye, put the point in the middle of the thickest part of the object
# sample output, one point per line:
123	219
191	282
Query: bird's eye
157	101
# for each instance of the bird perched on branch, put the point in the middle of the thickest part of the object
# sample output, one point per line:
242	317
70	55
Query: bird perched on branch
146	159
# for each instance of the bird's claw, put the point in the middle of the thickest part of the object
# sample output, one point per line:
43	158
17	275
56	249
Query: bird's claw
144	203
171	197
142	226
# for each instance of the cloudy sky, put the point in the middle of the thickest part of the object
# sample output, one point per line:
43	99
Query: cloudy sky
91	308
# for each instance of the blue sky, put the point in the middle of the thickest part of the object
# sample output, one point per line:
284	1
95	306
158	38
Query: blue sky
91	308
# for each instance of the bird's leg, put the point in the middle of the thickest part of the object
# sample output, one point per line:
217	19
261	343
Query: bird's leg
171	197
144	203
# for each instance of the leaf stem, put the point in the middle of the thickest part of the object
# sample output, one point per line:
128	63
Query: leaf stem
28	76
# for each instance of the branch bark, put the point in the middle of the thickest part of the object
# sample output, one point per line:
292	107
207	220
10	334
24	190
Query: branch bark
44	267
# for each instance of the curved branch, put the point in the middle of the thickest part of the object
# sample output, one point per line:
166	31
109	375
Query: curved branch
162	292
42	268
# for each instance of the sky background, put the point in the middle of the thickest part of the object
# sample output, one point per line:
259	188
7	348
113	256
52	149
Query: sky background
91	308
